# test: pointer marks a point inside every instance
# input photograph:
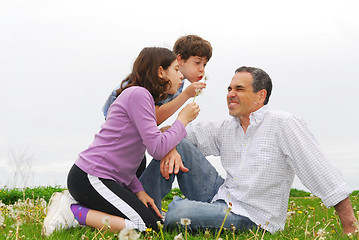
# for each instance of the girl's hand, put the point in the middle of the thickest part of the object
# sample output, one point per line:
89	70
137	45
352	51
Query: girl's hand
148	201
192	89
188	113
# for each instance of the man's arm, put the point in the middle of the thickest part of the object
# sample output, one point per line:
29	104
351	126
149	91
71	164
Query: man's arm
346	215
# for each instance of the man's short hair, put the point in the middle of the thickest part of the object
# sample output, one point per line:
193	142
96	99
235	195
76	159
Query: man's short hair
261	80
192	45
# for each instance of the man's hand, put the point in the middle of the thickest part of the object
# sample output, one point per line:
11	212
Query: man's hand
346	215
148	201
172	163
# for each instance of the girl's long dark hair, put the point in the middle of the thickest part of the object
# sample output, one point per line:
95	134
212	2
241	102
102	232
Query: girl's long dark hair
145	72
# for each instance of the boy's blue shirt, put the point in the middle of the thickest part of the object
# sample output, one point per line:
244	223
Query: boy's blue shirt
112	98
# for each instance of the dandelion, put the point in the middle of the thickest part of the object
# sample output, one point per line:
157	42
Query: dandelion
106	221
321	232
224	220
185	222
205	78
128	234
178	237
2	219
160	226
84	237
233	231
207	234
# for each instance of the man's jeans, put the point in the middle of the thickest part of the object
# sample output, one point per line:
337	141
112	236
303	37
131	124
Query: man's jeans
199	185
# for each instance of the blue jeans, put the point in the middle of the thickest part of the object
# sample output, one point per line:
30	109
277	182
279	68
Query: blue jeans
198	185
204	215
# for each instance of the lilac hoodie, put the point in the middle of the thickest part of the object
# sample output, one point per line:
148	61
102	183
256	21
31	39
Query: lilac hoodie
130	129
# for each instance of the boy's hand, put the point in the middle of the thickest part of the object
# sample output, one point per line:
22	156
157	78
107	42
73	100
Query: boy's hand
192	89
172	161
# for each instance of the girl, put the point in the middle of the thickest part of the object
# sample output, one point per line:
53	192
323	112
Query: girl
103	177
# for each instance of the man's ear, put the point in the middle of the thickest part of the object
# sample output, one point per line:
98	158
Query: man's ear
161	72
262	95
180	60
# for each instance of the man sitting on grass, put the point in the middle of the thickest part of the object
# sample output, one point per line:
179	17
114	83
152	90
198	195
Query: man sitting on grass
261	150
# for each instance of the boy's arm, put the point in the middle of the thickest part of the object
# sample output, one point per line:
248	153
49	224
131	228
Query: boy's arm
346	215
168	109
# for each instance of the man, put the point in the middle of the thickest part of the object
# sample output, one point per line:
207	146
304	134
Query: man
261	151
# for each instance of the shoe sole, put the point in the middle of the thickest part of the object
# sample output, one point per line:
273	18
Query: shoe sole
50	212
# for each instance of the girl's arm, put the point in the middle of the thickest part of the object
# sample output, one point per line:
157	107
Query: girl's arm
168	109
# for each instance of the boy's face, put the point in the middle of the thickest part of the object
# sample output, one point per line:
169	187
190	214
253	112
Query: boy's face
192	68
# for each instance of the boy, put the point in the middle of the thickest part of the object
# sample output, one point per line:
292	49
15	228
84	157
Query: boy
193	53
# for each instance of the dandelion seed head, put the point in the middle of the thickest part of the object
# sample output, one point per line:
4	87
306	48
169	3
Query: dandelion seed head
185	221
128	234
106	221
178	237
159	224
321	232
2	219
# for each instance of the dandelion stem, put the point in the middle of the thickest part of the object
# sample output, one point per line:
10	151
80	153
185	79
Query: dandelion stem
224	220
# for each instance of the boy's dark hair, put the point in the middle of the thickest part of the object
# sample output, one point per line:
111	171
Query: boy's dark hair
261	80
145	72
192	45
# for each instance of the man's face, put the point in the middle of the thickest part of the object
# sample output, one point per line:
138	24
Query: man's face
241	99
193	68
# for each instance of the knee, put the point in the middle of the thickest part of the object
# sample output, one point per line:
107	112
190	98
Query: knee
184	144
178	208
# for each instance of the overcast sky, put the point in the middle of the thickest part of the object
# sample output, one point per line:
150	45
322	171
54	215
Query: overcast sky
59	60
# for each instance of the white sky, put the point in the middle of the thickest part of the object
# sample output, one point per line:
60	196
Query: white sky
59	60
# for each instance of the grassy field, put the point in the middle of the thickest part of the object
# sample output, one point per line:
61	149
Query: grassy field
22	215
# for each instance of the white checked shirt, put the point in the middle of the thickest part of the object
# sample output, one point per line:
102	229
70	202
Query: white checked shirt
261	164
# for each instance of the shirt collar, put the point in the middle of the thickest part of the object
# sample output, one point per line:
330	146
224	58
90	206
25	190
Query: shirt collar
256	117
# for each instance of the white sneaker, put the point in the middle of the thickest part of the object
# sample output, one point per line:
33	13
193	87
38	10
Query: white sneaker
59	214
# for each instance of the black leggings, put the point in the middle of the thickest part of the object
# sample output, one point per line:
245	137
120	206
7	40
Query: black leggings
108	196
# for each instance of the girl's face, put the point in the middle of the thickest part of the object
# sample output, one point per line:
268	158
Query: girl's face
174	75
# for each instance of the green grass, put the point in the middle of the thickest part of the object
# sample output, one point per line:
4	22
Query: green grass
23	213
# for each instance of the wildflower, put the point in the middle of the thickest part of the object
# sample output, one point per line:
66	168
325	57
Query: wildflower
84	237
160	226
106	221
2	219
350	235
148	229
321	232
178	237
185	221
205	78
207	234
128	234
